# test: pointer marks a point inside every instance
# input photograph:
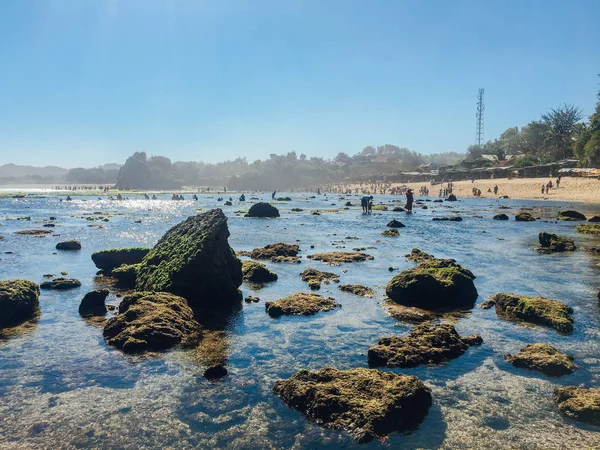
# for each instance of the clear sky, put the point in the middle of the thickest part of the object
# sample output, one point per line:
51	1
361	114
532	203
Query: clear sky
84	82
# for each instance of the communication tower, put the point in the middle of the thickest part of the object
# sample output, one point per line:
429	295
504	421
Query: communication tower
480	109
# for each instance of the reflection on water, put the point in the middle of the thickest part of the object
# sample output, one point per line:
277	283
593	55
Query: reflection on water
61	386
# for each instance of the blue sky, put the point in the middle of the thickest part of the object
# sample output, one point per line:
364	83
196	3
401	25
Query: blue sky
88	82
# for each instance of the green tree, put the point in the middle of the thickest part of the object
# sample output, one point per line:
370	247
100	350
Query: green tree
587	142
562	125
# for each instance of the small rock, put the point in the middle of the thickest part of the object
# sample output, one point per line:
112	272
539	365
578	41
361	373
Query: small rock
215	372
61	284
68	245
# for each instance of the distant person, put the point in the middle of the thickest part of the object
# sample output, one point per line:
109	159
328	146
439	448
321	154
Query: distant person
543	187
557	182
409	200
370	205
242	198
364	202
496	189
273	195
68	198
154	197
195	197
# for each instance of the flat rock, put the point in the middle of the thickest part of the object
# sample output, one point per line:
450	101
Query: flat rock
367	403
337	258
300	304
524	217
500	217
449	219
262	209
34	232
555	243
272	251
19	302
68	245
408	313
417	255
108	260
543	358
357	289
570	215
256	272
93	304
315	277
579	403
61	284
589	229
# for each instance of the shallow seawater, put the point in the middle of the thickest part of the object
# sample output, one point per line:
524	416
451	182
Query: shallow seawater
62	387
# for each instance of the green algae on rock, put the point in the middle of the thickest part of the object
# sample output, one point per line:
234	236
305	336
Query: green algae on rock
19	302
555	243
424	345
315	277
152	321
408	313
61	284
34	232
256	272
357	289
543	358
589	229
579	403
126	275
524	217
194	260
300	304
434	284
391	232
93	304
108	260
570	215
367	403
262	209
273	251
536	310
337	258
417	255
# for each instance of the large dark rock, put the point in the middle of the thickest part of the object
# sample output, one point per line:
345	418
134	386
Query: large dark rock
434	284
451	198
300	304
262	209
194	260
93	304
536	310
579	403
68	245
108	260
543	358
450	219
424	345
395	224
61	284
256	272
570	215
19	302
152	321
500	217
594	219
524	217
367	403
554	243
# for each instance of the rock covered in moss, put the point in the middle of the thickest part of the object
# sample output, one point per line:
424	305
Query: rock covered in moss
555	243
357	289
395	224
570	215
488	304
93	304
272	251
61	284
68	245
536	310
379	208
391	232
500	217
194	260
543	358
408	314
126	275
449	219
398	209
34	232
315	277
424	345
337	258
589	229
300	304
108	260
256	272
262	209
417	255
579	403
152	321
367	403
19	302
524	217
434	284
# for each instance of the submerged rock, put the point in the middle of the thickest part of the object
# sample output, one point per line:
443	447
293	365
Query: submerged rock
337	258
408	313
357	289
256	272
555	243
262	209
524	217
68	245
61	284
395	224
434	284
450	219
152	321
536	310
300	304
34	232
367	403
543	358
108	260
579	403
500	217
93	304
398	209
391	232
589	229
194	260
274	250
19	302
425	345
315	277
570	215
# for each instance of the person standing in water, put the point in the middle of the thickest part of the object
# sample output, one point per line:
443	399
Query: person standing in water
409	200
273	195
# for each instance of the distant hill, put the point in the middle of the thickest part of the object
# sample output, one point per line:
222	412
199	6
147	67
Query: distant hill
16	171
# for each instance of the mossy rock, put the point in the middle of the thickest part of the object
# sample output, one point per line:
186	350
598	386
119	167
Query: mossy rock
579	403
315	277
256	272
194	260
570	215
398	209
417	255
367	403
68	245
589	229
379	208
543	358
262	209
408	314
524	217
357	289
61	284
152	321
500	217
274	250
34	232
449	219
93	303
424	345
284	199
434	284
300	304
391	232
126	275
554	243
108	260
19	302
337	258
536	310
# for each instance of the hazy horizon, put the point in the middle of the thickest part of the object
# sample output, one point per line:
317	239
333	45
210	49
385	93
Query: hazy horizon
84	84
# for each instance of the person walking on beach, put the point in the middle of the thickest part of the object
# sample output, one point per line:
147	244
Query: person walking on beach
543	187
409	200
496	190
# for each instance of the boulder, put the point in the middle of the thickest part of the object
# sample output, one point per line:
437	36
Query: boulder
451	219
274	250
500	217
579	403
451	198
68	245
589	229
379	208
555	243
108	260
262	209
391	232
61	284
126	275
256	272
424	345
194	260
315	277
367	403
93	304
337	258
398	209
357	289
215	372
434	284
300	304
524	217
395	224
284	199
417	255
348	204
570	215
252	299
543	358
594	219
19	302
536	310
152	321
